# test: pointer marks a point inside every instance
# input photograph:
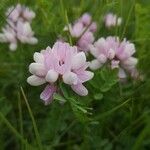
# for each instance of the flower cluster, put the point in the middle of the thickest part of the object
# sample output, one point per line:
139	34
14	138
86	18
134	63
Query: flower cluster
18	27
83	30
118	53
61	62
68	64
111	20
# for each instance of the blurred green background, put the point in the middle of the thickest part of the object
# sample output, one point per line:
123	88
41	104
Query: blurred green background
120	116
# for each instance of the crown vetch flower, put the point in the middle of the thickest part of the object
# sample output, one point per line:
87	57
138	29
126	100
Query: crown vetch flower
83	30
111	20
118	53
18	27
63	62
17	12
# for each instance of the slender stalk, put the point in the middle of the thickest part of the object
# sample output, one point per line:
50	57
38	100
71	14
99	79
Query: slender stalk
33	121
67	22
128	18
20	118
112	110
13	130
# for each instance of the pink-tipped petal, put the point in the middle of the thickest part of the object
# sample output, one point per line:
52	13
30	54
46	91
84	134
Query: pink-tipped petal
35	80
85	76
80	89
111	53
70	78
37	69
93	27
77	29
13	46
86	19
78	60
114	64
95	64
130	62
51	76
122	73
38	58
102	58
94	51
47	94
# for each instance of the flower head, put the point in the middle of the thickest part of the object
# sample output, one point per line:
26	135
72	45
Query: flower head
63	62
83	30
111	20
18	27
118	53
17	12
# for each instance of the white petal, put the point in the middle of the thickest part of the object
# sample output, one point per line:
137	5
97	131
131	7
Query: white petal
131	61
130	49
78	60
33	41
111	54
13	46
95	64
51	76
80	89
38	57
70	78
100	43
89	75
102	58
114	64
35	80
122	73
119	21
10	36
94	51
27	28
37	69
85	76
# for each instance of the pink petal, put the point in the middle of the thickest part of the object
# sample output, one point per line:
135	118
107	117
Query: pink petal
86	19
122	73
85	76
47	94
93	27
95	64
114	64
80	89
70	78
35	80
77	29
78	60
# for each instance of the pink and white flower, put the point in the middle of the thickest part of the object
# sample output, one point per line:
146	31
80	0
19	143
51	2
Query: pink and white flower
18	12
83	30
62	62
118	53
111	20
18	27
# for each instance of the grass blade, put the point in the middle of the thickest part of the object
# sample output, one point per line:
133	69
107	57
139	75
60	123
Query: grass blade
33	121
141	137
128	18
20	118
13	130
112	110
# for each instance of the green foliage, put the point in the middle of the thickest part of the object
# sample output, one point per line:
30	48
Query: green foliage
114	115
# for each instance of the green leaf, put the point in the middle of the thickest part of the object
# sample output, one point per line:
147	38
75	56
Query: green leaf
79	110
106	87
64	90
98	96
59	97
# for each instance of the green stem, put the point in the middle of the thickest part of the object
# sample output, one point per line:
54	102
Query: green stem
33	121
